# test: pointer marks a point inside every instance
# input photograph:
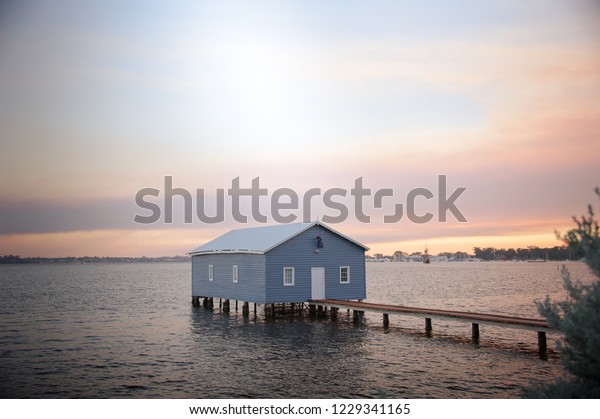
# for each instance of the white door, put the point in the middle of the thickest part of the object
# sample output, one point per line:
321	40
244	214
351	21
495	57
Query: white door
317	283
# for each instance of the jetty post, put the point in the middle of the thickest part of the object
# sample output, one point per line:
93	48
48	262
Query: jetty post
475	331
542	344
428	327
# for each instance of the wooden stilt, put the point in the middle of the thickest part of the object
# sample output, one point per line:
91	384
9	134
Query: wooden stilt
236	304
355	316
334	312
312	309
255	309
273	310
428	327
226	306
246	309
542	344
386	320
475	331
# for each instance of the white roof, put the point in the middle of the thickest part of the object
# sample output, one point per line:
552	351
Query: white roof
258	239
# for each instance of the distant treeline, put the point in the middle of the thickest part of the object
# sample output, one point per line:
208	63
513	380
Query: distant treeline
529	253
91	259
556	253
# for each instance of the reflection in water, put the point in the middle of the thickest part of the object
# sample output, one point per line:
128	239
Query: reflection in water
284	357
120	330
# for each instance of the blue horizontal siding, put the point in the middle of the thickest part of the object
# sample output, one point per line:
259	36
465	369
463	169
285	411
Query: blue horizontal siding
251	277
299	253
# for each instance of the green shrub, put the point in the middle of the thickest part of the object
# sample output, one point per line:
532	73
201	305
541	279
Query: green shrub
578	317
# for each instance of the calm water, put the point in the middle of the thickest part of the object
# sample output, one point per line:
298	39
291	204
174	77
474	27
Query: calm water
129	330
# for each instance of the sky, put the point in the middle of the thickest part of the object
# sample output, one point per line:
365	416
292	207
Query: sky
99	100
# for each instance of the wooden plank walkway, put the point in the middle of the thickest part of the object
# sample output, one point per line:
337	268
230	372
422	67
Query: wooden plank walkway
538	325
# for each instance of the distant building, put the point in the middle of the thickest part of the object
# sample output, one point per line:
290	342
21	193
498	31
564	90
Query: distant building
287	263
399	256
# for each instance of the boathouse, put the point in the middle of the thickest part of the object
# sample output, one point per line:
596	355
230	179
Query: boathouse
287	263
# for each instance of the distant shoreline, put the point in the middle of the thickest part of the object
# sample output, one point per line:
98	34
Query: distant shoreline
529	254
17	260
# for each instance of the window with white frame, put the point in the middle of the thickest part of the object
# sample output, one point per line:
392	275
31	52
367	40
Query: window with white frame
344	274
235	274
288	277
210	273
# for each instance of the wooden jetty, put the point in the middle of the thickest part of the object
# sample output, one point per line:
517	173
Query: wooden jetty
359	307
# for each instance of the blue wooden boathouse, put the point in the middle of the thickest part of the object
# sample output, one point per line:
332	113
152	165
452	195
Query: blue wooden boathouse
287	263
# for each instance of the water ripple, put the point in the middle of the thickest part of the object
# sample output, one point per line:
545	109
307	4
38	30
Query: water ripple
116	330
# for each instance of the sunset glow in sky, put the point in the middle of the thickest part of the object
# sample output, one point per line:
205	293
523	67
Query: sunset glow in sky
99	99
